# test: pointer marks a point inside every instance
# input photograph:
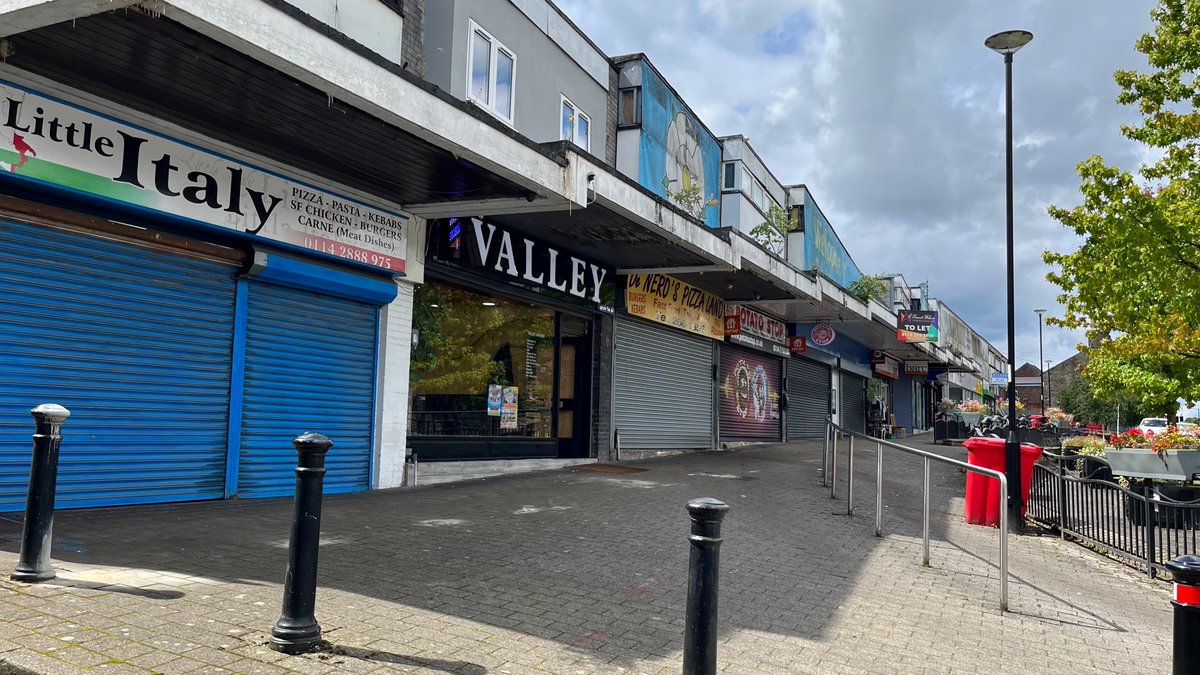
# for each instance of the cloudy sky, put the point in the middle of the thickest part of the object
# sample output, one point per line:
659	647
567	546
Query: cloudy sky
893	114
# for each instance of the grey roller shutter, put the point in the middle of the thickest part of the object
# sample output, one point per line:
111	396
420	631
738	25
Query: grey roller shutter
854	403
662	396
808	388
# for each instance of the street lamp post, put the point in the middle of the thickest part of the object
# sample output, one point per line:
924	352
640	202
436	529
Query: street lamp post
1006	44
1041	359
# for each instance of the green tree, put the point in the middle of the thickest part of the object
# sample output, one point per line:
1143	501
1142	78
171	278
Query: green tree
1078	398
773	230
1134	283
867	287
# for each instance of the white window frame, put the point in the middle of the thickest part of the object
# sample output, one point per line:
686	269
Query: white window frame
496	47
564	101
736	176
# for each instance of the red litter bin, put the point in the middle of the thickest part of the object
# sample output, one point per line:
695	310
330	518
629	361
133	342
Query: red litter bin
983	492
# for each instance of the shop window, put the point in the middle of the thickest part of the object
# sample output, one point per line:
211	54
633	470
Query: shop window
629	107
576	125
481	365
492	71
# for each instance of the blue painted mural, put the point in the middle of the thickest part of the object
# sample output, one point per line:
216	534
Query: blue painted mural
823	251
676	150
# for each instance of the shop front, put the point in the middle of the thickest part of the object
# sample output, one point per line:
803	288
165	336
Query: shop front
881	393
193	312
850	372
505	337
750	376
809	385
667	334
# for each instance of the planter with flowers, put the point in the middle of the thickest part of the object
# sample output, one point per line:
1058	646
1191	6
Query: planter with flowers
1059	418
1171	455
971	412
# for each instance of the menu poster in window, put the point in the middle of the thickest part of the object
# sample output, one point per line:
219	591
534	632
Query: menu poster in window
508	409
493	400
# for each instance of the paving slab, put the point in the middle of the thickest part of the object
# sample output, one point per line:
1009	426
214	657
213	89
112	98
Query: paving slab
584	571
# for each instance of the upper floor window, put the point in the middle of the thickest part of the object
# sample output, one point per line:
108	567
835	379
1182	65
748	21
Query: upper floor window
729	182
493	68
629	107
576	125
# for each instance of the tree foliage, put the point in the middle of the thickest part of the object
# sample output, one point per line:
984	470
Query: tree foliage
773	231
1078	398
1134	283
867	287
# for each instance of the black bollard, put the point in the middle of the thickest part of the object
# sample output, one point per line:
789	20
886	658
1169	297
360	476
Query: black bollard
1185	658
297	630
700	631
38	532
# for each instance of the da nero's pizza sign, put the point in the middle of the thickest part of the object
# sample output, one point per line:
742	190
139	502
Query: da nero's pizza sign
56	143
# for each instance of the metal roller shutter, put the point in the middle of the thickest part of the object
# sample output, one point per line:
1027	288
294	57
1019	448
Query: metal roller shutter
137	344
662	396
854	403
310	366
808	386
749	392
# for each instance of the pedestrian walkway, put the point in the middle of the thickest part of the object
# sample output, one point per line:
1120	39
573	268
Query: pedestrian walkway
584	571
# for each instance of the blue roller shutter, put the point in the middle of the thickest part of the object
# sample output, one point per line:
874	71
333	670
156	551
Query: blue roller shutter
137	343
310	366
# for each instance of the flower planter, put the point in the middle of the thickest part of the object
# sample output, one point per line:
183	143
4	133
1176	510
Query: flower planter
1145	463
970	419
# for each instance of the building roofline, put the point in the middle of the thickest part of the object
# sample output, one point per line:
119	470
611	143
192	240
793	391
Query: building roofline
579	30
766	166
641	56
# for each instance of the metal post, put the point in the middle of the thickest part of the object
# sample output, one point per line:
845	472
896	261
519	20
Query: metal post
1149	524
1012	447
1041	372
850	477
297	630
1185	655
700	627
837	436
879	489
925	518
38	532
1003	547
1062	499
825	453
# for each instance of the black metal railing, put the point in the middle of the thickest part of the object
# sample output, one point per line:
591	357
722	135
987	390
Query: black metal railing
1141	523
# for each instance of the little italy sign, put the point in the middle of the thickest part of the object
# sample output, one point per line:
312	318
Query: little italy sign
51	142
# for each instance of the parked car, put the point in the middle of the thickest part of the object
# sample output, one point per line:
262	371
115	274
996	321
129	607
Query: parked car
1187	426
1154	425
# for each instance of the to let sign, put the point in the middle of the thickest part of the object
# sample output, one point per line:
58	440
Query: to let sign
917	326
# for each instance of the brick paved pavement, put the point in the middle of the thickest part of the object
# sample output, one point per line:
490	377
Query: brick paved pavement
583	572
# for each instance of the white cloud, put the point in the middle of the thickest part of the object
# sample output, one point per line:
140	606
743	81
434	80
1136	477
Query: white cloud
893	114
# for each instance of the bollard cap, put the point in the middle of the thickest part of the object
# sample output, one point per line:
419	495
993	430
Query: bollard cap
1186	569
707	509
310	442
50	412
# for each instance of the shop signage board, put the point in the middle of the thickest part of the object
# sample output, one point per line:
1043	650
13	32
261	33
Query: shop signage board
822	335
669	301
999	379
48	141
798	344
754	329
495	247
916	367
917	326
886	365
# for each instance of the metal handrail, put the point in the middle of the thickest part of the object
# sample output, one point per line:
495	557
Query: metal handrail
834	433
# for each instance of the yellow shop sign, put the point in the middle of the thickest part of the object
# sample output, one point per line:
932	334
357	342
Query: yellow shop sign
665	299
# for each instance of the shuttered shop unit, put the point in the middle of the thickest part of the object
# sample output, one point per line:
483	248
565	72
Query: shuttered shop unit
808	386
662	396
136	343
310	366
749	391
854	403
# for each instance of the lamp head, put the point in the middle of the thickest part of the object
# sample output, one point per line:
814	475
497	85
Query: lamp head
1039	311
1008	42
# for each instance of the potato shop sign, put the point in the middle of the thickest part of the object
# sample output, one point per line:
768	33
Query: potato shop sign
754	329
47	141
